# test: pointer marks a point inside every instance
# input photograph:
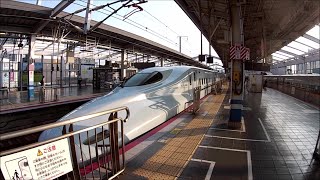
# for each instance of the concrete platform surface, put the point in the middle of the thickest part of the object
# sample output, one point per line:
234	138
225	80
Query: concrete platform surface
275	141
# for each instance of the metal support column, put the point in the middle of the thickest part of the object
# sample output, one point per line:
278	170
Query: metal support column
316	152
32	40
20	70
123	57
237	70
180	45
42	57
87	17
61	72
39	2
304	65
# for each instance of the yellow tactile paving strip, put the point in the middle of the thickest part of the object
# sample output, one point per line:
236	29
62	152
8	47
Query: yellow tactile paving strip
169	161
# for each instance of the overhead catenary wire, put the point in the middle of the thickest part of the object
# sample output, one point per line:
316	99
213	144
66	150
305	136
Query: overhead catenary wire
162	22
133	23
169	29
142	27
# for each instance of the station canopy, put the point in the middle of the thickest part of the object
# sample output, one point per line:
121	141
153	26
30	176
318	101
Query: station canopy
303	45
268	25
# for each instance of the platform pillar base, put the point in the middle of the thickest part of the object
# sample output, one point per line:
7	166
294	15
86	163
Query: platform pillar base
234	125
316	156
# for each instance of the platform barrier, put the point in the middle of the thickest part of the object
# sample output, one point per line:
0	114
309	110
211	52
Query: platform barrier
316	152
196	99
94	152
305	88
48	94
4	93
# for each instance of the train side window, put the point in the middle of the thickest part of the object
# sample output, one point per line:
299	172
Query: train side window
136	80
194	76
190	79
154	78
140	79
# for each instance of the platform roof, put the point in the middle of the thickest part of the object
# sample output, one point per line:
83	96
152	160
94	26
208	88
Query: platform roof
24	18
283	21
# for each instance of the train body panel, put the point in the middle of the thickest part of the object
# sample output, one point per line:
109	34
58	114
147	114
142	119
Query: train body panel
150	104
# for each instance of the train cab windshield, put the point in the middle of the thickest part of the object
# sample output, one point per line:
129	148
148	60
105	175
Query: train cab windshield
141	79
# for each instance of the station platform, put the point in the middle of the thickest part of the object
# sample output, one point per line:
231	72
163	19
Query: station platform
18	100
276	141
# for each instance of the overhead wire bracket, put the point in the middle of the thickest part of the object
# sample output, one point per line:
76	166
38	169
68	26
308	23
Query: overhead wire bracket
137	9
128	4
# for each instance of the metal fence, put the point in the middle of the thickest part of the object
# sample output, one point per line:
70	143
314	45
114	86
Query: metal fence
196	99
102	144
4	93
215	88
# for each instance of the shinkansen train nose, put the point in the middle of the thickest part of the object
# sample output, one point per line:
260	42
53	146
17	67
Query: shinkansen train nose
50	133
97	138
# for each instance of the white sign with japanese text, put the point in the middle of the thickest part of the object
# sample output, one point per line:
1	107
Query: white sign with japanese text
48	161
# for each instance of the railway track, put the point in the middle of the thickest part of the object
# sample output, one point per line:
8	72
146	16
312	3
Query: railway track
18	142
25	140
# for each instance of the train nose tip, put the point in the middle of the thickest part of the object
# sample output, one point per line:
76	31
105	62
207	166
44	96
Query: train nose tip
49	134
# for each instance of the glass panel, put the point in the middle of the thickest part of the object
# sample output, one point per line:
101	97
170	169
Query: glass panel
136	79
299	46
154	78
285	54
280	56
314	32
286	48
276	58
308	42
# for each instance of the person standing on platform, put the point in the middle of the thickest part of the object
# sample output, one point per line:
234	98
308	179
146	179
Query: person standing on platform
42	82
246	85
79	80
42	90
265	84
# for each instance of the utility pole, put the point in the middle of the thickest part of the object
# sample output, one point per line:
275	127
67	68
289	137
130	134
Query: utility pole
180	42
39	2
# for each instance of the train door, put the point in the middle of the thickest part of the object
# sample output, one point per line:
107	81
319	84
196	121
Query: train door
191	84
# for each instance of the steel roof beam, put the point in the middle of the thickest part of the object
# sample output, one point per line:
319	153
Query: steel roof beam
296	49
110	55
311	38
282	55
287	52
279	57
54	12
304	44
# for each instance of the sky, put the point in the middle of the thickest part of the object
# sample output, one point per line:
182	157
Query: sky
161	21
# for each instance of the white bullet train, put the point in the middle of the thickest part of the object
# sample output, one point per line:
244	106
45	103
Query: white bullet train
153	96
